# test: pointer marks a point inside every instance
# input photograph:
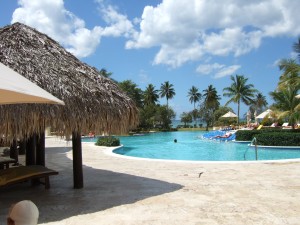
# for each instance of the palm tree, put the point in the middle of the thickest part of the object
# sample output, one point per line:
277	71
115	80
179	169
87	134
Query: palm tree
150	95
290	75
209	105
239	91
286	102
104	73
259	103
132	91
194	95
167	90
211	97
296	47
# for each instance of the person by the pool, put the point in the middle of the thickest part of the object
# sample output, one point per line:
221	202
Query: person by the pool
226	135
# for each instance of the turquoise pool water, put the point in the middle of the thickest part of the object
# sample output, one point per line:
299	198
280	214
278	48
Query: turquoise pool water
190	147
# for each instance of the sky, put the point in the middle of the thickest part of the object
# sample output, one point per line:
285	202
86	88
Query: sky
188	43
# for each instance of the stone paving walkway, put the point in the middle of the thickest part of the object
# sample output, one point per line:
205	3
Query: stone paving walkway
127	191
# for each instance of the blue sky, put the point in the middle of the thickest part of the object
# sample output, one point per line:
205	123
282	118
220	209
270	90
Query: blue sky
194	42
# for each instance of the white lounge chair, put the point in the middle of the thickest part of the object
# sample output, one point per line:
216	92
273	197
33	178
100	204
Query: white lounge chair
286	126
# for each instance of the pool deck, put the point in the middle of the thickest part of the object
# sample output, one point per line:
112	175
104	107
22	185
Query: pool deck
121	191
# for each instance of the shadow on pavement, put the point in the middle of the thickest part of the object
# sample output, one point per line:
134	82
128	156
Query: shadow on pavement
102	190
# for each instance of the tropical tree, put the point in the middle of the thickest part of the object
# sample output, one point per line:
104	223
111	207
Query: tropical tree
288	87
164	116
286	102
186	118
290	75
209	105
211	97
296	47
150	95
147	116
194	97
167	90
290	68
104	73
239	91
131	89
259	103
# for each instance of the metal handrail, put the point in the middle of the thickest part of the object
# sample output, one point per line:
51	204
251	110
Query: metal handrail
253	142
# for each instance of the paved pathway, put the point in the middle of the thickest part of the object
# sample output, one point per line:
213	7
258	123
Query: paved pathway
126	191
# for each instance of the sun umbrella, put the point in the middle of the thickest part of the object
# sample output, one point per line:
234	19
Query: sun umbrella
15	89
229	114
264	114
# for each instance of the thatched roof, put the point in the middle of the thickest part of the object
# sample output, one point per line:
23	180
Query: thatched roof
92	102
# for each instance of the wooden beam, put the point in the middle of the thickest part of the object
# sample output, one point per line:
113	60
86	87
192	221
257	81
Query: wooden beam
31	150
40	149
14	152
77	160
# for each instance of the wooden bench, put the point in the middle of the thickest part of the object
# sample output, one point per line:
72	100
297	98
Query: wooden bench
19	174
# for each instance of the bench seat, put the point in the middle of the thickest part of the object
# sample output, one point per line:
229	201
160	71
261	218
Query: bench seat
19	174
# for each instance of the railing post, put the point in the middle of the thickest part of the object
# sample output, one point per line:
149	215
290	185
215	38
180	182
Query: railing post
256	153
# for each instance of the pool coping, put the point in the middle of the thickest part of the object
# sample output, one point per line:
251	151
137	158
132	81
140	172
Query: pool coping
109	151
277	147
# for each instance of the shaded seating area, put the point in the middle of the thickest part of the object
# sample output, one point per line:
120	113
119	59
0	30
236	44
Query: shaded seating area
92	101
35	173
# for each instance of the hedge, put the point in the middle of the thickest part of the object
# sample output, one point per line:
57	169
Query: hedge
271	137
279	139
108	141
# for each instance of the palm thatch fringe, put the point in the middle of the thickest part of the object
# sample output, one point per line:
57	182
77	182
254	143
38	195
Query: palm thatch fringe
92	102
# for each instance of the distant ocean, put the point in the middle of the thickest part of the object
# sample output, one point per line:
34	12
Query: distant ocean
175	123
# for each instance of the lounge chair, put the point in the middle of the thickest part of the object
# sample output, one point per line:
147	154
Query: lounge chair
274	124
286	126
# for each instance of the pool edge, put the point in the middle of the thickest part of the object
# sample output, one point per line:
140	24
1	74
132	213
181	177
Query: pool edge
109	151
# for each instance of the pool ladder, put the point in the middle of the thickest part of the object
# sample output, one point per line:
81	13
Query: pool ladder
253	142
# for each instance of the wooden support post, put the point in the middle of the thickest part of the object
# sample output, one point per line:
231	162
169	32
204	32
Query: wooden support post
14	152
31	150
77	160
22	148
40	149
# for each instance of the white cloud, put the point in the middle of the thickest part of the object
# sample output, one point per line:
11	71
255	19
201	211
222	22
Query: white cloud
227	71
209	68
183	31
51	17
187	31
217	69
119	25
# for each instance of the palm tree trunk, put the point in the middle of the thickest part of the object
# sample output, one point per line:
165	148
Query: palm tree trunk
238	118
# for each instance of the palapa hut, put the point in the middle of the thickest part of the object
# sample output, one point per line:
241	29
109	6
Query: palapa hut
92	102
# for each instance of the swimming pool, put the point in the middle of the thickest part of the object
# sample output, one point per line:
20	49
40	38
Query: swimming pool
190	147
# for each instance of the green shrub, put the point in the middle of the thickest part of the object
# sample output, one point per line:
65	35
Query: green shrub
108	141
279	139
248	135
271	137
